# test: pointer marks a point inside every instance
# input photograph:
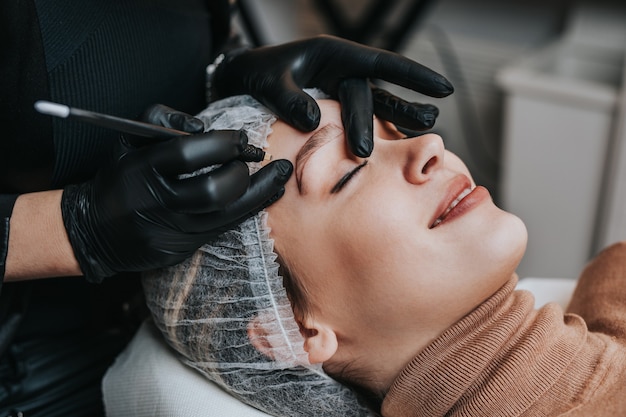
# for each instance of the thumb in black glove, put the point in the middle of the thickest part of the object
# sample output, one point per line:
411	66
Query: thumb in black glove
138	213
275	75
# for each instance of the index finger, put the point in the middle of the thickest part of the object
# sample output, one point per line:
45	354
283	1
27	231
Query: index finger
187	154
405	72
357	109
388	66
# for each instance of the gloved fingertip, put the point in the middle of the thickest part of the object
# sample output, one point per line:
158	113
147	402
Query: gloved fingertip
307	120
284	169
445	87
361	141
363	148
313	113
194	125
185	122
429	119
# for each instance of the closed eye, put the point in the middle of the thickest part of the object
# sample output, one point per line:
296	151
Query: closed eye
344	180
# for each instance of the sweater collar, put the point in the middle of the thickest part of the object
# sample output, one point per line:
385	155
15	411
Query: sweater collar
498	360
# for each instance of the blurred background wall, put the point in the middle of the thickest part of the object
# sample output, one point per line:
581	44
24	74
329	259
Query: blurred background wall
539	107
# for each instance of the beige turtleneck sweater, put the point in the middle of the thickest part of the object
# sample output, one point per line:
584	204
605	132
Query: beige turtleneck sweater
507	359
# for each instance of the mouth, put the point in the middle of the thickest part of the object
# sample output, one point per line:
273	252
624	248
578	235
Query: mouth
448	208
452	203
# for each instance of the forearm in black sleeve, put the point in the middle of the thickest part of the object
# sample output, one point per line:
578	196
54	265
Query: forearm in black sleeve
7	201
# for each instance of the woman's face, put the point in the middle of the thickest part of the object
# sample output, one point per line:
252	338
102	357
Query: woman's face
398	243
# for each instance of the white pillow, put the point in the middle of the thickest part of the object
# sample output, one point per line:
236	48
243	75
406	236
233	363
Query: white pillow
147	379
546	290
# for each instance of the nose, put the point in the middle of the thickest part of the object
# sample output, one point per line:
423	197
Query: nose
424	157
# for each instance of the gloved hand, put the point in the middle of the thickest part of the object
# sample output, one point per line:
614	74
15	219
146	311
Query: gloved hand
275	75
139	214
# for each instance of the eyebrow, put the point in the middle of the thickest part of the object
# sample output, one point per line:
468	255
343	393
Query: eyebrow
313	144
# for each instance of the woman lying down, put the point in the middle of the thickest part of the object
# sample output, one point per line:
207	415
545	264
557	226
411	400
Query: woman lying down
394	275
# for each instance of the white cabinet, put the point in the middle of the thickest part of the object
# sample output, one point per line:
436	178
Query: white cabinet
564	156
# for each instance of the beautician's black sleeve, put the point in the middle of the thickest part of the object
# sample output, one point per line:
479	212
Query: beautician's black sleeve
59	335
7	201
22	78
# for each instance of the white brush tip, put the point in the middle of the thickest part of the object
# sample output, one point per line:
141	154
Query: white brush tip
52	109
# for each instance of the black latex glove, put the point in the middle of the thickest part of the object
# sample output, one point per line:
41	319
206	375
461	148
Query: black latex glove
275	75
138	214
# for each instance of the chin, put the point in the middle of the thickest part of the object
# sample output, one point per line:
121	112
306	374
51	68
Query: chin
508	242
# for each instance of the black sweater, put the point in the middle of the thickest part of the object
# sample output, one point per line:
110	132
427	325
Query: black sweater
112	56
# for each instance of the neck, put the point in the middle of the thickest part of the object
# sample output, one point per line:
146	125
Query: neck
504	346
376	362
375	365
372	367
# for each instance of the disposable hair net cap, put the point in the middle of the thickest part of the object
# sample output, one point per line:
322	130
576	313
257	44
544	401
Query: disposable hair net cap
205	306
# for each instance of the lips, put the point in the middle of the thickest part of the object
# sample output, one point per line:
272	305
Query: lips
455	200
451	206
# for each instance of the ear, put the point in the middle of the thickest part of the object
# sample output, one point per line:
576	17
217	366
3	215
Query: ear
320	340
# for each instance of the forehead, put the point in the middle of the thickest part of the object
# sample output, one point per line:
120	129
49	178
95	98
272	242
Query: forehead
331	110
331	114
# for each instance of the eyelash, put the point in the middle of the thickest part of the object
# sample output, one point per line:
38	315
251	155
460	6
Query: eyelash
344	180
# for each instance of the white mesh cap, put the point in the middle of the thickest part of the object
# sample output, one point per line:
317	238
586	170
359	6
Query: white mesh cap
205	305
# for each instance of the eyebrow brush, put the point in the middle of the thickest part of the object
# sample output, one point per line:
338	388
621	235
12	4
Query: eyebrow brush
249	154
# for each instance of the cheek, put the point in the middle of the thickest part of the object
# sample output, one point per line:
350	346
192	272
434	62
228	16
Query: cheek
455	164
330	255
387	284
375	240
301	237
